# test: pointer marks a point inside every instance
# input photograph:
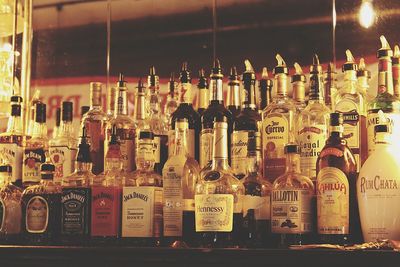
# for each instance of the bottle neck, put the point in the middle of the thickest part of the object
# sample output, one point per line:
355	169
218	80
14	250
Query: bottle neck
113	158
293	163
203	98
316	88
39	130
216	90
14	125
220	147
385	76
122	102
329	87
254	162
249	100
299	91
281	84
111	100
181	142
186	93
95	99
140	113
336	131
363	84
65	128
350	82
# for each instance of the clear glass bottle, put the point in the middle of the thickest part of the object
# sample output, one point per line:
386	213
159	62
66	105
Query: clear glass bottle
180	175
396	71
218	199
363	79
265	85
292	203
172	100
111	104
278	125
203	96
313	123
330	86
299	88
233	102
58	121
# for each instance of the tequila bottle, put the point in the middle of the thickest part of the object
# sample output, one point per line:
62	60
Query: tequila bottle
396	71
203	97
58	121
233	101
363	79
172	100
265	85
299	88
330	86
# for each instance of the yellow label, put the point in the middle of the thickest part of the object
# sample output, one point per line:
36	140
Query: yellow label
373	119
203	98
145	151
206	146
332	201
239	152
214	213
37	215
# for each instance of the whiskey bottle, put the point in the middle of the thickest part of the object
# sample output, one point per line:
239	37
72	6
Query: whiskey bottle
180	175
313	123
215	111
172	100
337	211
233	101
218	198
203	96
248	120
363	78
41	209
278	125
94	122
62	149
291	203
35	148
265	85
111	104
352	103
58	121
396	71
299	88
384	100
257	197
330	86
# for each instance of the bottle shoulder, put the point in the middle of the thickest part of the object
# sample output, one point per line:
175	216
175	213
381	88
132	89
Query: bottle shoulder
293	180
384	101
185	111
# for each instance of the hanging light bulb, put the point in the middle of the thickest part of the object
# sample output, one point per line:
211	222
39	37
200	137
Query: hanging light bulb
366	15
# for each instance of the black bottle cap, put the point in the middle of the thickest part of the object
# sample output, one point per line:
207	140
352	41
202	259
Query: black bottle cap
233	77
40	113
47	167
336	119
58	116
152	78
84	110
349	64
298	78
6	168
385	50
184	75
281	68
381	128
249	74
203	83
121	82
16	99
146	135
67	111
291	149
216	71
265	82
140	87
16	110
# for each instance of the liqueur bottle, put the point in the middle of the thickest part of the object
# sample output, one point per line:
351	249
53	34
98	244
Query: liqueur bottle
384	100
75	196
265	85
111	97
278	125
337	211
35	148
363	78
396	71
233	101
248	120
172	100
352	103
330	86
257	197
180	175
299	88
41	209
215	111
218	199
291	203
94	122
203	97
142	196
58	121
62	149
313	123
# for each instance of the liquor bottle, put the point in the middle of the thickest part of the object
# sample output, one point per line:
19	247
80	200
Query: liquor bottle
32	109
58	121
41	209
203	96
172	100
94	122
62	149
84	110
352	103
180	175
11	142
291	203
257	197
185	111
140	119
106	191
265	85
111	97
337	211
215	111
299	88
248	120
384	100
142	196
278	125
35	148
330	86
363	78
76	196
125	127
313	123
233	101
10	207
396	71
218	198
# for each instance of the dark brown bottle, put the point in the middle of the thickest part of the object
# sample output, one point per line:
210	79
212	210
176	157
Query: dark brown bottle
265	85
234	97
202	85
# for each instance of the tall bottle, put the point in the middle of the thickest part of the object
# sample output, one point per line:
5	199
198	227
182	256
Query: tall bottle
278	125
215	111
384	100
218	199
363	78
172	100
35	148
352	103
330	86
233	101
337	211
265	85
94	122
203	96
180	175
396	71
299	88
58	121
248	120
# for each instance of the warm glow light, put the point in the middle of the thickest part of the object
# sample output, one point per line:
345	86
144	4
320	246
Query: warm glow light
366	16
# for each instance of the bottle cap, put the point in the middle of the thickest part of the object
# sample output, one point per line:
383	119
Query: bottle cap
6	168
336	119
58	116
202	79
67	111
152	79
140	87
216	71
121	82
298	76
233	77
281	68
265	81
315	68
350	63
16	99
40	113
96	86
146	135
47	167
84	110
84	148
184	75
249	73
362	71
385	50
291	149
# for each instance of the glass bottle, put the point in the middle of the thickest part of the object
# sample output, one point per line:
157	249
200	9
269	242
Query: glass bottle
257	197
248	120
337	211
111	104
291	203
330	86
180	175
352	103
140	119
62	149
41	209
396	71
203	96
299	88
278	125
35	148
363	79
233	101
172	100
313	123
94	122
265	85
32	109
84	110
218	198
58	121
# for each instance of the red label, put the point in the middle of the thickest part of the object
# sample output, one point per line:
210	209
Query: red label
331	151
105	211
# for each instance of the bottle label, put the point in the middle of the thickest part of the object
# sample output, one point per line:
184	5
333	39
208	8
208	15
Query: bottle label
203	98
373	119
62	158
37	215
214	213
12	154
260	205
311	141
105	211
291	211
190	142
145	150
127	154
186	93
206	146
332	201
2	214
142	209
157	144
75	210
32	160
239	162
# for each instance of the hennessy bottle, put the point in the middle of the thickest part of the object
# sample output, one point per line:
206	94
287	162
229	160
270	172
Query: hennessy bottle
233	102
